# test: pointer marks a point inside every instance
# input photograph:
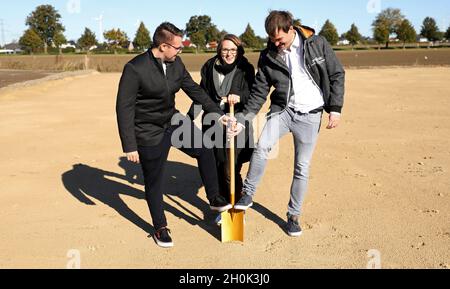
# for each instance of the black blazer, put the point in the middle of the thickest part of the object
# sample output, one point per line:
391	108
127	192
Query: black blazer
146	99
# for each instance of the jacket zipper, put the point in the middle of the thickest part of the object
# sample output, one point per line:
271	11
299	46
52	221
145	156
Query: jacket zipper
288	98
164	73
306	67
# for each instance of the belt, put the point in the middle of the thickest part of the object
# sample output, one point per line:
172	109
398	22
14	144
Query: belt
314	111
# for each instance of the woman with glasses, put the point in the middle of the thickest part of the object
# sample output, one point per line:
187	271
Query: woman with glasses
228	76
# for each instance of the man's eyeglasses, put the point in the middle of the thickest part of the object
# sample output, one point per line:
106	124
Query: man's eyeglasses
231	51
178	49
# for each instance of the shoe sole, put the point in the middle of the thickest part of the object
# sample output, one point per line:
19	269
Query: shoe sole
220	222
297	234
221	209
163	245
243	208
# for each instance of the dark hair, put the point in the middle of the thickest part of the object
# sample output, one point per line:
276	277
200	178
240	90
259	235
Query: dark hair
165	33
279	20
233	38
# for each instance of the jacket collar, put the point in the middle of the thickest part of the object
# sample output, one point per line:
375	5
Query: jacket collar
158	62
305	33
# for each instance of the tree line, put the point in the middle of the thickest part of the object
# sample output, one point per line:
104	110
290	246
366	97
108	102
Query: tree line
45	29
387	23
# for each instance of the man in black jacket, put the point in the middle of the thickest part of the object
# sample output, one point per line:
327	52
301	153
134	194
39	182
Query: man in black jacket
145	108
308	78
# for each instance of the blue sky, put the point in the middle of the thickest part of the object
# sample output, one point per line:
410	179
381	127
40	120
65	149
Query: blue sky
231	15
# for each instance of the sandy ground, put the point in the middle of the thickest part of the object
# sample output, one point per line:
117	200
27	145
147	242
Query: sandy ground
380	182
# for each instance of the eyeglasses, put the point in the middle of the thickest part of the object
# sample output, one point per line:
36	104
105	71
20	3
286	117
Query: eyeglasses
179	49
231	51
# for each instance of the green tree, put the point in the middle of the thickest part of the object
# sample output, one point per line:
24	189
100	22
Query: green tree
249	38
387	23
222	33
212	34
330	33
381	35
87	40
45	21
31	41
262	40
447	33
59	39
198	38
142	40
116	39
297	22
353	35
202	24
406	33
430	30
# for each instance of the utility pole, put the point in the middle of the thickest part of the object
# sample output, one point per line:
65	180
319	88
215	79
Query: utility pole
2	28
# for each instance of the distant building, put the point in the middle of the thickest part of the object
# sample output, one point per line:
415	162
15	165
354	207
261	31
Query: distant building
11	48
188	43
343	42
7	51
68	45
131	47
212	45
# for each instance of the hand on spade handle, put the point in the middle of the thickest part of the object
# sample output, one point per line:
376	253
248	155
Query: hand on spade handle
232	99
233	127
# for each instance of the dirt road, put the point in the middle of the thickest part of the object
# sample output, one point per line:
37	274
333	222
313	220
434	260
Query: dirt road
380	182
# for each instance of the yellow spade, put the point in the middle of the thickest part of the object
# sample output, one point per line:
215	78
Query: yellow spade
232	220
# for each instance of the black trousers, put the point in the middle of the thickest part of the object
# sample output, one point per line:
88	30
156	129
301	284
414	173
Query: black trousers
223	170
153	161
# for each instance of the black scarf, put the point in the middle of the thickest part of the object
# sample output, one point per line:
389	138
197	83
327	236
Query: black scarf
225	68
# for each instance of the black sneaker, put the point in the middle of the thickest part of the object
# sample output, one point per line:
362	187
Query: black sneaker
219	204
244	203
293	227
162	238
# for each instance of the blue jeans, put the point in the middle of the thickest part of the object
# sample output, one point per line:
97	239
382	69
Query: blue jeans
305	129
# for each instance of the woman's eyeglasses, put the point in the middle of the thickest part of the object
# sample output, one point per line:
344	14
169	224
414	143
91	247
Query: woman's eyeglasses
231	51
